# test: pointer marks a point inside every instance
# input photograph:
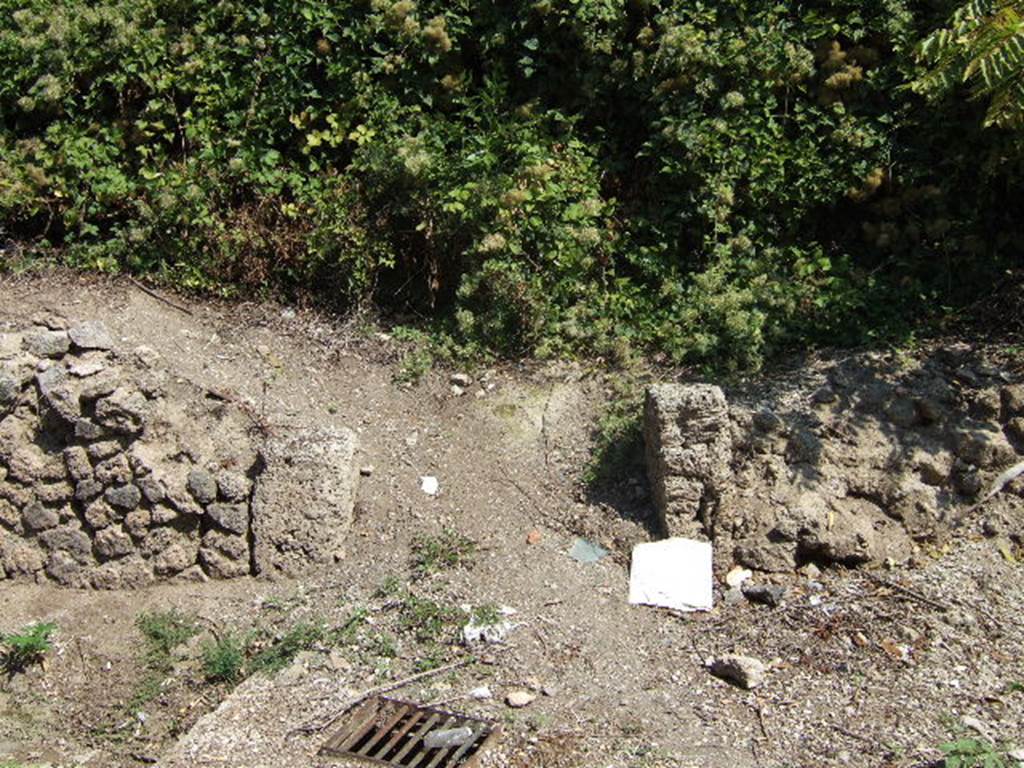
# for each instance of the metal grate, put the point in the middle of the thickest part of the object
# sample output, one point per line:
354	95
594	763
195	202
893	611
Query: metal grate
391	732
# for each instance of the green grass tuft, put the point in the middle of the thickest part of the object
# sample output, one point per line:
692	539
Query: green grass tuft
448	550
27	647
223	659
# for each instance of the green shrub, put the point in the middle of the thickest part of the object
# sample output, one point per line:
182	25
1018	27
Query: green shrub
708	183
223	659
164	631
278	652
27	647
973	753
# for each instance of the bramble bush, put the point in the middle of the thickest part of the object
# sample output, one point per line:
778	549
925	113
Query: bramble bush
702	182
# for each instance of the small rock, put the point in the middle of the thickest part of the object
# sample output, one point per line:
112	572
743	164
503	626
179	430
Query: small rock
811	571
138	522
99	515
87	489
231	517
114	470
10	388
519	699
461	379
175	559
767	594
126	497
122	411
47	343
50	320
83	369
58	397
480	693
152	489
77	462
737	576
91	334
54	493
533	537
733	596
430	485
233	485
112	542
824	395
202	485
744	671
457	391
99	386
366	471
36	517
967	480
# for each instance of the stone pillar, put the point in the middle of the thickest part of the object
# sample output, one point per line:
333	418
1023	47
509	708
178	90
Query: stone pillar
689	451
302	505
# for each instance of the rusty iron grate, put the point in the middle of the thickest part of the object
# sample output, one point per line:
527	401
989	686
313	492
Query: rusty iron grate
392	732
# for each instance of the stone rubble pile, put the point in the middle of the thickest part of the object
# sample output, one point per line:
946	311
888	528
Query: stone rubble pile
104	482
862	465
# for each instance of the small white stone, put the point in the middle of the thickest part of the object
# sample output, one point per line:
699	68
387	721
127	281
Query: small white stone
519	699
430	485
737	576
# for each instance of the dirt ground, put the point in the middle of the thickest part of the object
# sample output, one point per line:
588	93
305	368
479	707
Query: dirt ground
865	669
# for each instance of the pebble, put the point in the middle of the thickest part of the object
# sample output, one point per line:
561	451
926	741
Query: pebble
811	571
744	671
733	596
461	380
520	699
737	576
366	471
483	692
533	537
767	594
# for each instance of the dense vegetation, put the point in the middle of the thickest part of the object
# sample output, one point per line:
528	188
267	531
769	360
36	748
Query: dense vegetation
705	181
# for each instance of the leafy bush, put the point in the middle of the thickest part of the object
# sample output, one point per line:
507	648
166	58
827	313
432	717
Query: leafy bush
223	659
706	183
27	647
973	753
980	46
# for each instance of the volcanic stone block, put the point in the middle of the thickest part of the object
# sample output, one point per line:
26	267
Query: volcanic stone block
689	450
302	505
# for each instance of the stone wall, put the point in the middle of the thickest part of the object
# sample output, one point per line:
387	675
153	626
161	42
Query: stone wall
859	461
114	473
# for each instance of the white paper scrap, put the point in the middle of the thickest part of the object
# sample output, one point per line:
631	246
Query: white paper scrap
672	573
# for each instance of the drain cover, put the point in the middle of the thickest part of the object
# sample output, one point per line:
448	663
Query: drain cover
392	732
